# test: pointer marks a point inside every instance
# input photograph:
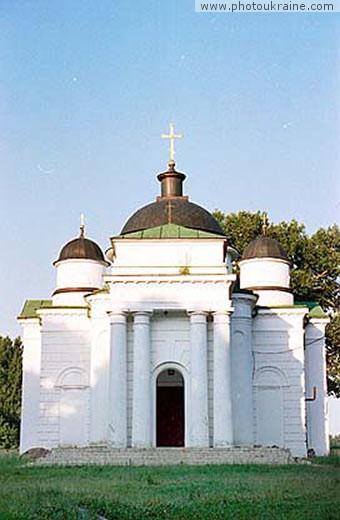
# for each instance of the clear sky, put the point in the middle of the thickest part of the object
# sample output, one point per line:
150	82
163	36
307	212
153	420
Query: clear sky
87	87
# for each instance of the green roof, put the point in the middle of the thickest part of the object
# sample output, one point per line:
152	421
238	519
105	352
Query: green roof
170	231
317	312
310	305
30	308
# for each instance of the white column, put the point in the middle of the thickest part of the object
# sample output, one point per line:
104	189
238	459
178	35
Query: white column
317	416
199	422
223	426
117	435
242	367
141	407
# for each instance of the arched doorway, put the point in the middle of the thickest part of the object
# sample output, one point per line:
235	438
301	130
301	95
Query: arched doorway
170	409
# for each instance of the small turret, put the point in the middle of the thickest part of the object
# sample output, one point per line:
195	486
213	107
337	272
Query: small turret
80	268
264	269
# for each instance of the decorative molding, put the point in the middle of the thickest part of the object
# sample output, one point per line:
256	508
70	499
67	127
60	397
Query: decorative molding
74	289
270	288
277	311
76	372
264	259
59	315
169	279
262	372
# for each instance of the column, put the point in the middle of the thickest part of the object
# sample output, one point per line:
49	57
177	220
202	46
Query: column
141	406
223	426
199	422
242	367
118	385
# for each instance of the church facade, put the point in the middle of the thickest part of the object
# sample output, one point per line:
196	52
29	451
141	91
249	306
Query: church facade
157	343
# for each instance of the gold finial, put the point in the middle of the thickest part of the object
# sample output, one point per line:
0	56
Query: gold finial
172	136
82	225
264	223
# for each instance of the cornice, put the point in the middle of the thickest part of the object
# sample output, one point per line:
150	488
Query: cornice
284	310
172	279
63	311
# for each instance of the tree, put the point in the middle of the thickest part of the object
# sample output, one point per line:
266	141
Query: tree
315	270
333	355
10	391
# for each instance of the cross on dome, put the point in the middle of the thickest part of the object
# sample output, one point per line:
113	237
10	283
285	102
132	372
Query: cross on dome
172	136
82	224
265	222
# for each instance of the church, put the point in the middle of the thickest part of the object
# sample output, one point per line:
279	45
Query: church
157	342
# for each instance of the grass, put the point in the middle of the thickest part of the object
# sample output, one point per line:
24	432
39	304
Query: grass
135	493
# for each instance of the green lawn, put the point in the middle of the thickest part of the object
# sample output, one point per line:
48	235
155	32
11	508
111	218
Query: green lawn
212	492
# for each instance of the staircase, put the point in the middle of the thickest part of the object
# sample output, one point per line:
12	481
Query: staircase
102	455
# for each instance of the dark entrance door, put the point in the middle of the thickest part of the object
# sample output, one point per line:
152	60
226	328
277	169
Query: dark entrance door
170	409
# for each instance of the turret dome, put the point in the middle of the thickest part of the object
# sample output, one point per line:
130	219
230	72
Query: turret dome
264	247
81	248
80	268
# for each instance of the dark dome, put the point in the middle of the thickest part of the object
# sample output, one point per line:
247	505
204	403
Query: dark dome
82	248
264	247
174	210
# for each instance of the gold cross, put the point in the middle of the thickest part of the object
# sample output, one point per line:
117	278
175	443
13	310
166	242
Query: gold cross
172	136
264	223
82	224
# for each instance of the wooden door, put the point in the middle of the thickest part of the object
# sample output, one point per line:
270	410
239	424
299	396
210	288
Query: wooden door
170	416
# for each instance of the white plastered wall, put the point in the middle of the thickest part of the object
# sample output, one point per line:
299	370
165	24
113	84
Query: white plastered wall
100	367
31	384
64	378
279	379
168	256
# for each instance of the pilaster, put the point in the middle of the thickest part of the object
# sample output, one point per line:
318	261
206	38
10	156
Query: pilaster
316	387
242	368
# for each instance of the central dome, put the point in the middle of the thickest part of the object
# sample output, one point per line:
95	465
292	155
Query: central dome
172	208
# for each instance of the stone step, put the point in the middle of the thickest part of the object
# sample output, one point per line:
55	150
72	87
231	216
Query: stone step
165	456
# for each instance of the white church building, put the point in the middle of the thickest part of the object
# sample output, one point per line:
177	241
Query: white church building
156	343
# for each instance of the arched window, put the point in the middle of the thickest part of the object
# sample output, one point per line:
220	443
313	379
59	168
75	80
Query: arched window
73	407
269	383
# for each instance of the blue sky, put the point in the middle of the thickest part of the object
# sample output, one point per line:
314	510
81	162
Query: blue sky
86	89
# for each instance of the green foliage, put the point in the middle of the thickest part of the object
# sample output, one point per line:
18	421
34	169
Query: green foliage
241	228
315	269
10	391
334	441
299	492
333	354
